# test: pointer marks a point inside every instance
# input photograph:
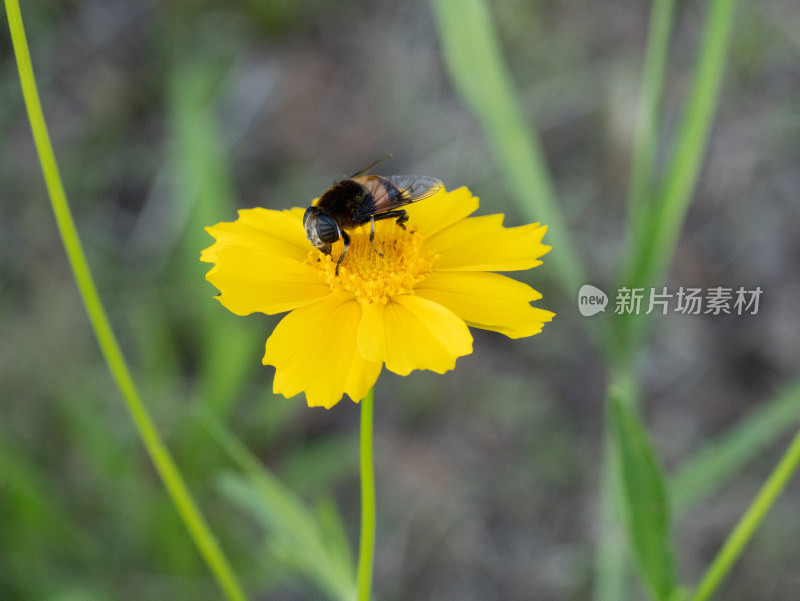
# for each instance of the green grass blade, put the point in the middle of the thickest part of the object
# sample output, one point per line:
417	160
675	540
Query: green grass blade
611	565
310	543
297	535
657	230
473	58
645	497
716	464
750	521
652	259
173	481
646	143
611	552
204	188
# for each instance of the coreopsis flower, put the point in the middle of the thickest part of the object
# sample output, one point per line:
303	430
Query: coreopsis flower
407	306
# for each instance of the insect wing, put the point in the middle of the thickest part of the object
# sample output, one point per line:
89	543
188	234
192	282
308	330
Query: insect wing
389	193
415	187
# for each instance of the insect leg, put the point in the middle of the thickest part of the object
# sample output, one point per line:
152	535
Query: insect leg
346	239
372	234
401	215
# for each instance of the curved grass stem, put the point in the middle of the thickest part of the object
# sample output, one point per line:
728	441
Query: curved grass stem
173	481
750	521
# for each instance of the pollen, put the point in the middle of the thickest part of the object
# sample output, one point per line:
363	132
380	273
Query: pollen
372	277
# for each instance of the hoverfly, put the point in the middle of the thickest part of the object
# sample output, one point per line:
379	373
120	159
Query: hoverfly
362	199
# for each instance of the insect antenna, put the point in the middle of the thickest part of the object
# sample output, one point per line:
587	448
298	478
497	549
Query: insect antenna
370	166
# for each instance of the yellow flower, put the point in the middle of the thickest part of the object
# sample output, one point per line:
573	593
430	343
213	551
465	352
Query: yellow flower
408	309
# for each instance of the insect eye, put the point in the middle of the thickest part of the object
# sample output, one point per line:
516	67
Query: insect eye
327	230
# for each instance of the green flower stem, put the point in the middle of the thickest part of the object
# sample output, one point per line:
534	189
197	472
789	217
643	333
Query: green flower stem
750	521
366	549
173	481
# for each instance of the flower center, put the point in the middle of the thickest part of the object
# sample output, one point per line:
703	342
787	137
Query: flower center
370	276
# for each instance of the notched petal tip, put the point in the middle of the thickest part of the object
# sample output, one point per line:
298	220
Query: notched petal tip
485	244
489	301
422	334
314	351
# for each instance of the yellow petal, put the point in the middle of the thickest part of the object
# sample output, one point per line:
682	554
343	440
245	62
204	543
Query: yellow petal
278	232
372	332
483	244
411	333
314	351
252	280
433	214
487	300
